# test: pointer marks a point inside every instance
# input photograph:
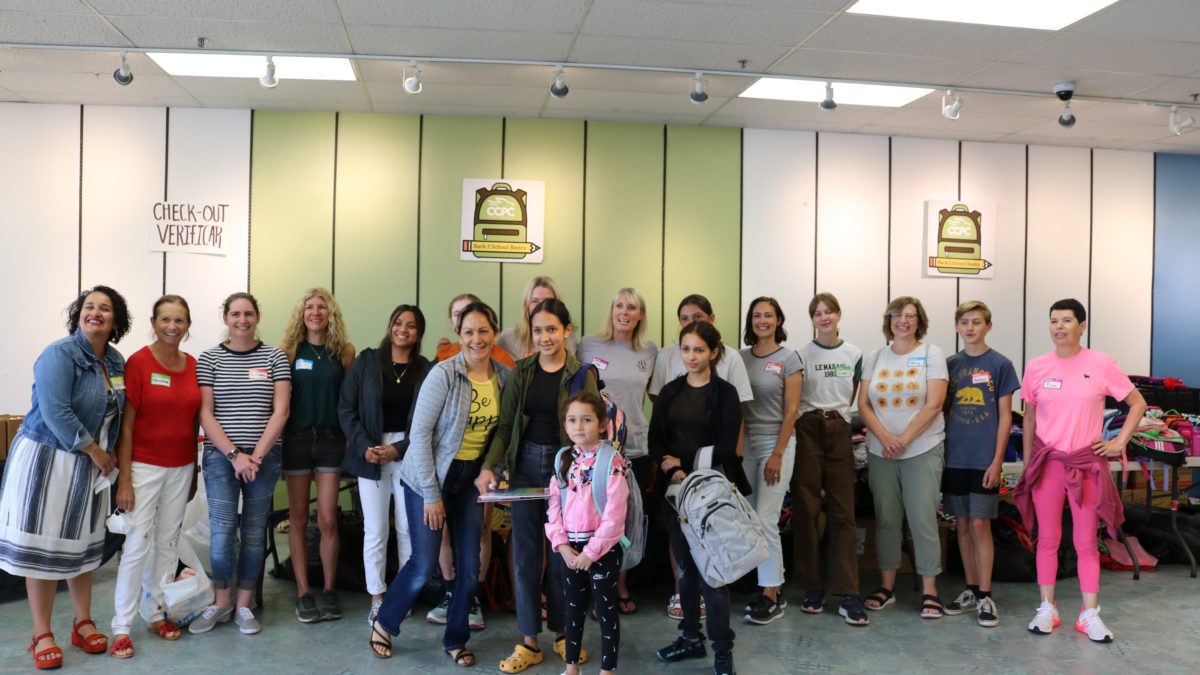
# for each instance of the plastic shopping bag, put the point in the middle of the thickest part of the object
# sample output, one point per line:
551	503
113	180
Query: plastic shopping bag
186	597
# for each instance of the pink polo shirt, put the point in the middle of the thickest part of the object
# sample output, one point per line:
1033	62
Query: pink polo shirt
1069	395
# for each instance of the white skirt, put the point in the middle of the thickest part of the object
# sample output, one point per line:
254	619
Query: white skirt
51	520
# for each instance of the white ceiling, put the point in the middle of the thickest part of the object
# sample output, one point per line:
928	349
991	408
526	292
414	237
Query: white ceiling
1137	49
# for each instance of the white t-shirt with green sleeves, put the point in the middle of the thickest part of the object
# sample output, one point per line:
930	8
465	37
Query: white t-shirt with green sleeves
830	374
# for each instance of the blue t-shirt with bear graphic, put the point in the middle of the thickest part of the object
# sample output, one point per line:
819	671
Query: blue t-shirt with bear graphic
976	385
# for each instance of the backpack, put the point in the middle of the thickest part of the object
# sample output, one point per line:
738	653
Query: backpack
633	541
723	531
616	432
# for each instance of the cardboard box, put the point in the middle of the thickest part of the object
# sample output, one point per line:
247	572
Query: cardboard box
8	431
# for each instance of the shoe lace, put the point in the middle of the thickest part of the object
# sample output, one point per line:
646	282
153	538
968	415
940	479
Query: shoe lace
211	611
245	614
1091	619
1045	611
987	606
854	605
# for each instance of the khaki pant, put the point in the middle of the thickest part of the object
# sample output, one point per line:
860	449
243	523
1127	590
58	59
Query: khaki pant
908	488
824	461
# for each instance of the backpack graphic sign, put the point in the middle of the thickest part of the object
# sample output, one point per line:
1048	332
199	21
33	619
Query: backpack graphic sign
503	220
959	240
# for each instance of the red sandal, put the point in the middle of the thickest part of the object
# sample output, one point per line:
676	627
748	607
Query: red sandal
48	658
96	643
121	643
165	630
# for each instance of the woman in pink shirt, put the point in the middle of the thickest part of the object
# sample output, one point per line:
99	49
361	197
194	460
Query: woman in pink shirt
1066	459
586	538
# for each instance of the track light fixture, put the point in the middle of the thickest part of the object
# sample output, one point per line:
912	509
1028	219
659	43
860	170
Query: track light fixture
951	105
828	103
1066	119
1178	124
698	94
268	79
123	75
559	88
412	78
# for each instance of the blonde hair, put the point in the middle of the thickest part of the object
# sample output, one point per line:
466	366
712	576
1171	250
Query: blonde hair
522	330
630	296
335	336
973	306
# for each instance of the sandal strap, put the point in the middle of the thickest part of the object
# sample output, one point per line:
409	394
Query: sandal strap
885	593
43	636
86	622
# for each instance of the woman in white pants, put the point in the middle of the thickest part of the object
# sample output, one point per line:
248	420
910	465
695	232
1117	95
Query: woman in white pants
770	446
375	412
156	461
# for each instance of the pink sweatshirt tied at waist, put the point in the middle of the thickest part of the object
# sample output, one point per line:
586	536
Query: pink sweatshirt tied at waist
579	517
1081	465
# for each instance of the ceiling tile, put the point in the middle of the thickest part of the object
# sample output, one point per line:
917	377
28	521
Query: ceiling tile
618	101
205	88
883	35
1179	89
851	116
435	72
1098	132
1113	54
418	108
930	132
315	11
54	61
481	44
673	53
550	16
622	116
1148	19
1041	78
69	29
460	94
877	67
708	23
970	120
46	6
147	86
247	35
323	105
1169	149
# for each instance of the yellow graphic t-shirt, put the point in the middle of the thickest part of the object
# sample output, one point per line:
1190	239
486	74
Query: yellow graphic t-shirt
485	412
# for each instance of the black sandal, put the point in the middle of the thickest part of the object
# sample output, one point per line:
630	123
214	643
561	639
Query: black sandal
882	596
932	603
463	657
376	645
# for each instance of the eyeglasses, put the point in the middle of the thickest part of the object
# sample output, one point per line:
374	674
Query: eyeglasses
898	315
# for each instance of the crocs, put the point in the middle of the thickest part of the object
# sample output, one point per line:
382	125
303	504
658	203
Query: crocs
521	658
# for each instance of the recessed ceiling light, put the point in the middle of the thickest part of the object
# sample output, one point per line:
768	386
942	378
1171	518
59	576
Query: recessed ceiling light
245	65
1054	15
813	91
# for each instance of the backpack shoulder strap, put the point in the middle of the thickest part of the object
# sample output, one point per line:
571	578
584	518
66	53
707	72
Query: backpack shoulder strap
561	478
579	380
604	458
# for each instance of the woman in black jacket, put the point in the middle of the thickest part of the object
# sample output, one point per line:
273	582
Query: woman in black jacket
694	411
375	412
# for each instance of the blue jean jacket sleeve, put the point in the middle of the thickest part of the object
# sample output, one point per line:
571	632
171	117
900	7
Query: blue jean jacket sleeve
54	382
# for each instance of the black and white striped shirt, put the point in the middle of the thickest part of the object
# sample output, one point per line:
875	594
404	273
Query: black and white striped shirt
243	385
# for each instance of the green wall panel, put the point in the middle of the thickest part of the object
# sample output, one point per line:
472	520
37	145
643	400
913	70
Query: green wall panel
702	237
375	257
291	210
550	151
453	148
624	219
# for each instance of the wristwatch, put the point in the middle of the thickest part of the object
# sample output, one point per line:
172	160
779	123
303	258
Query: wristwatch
232	454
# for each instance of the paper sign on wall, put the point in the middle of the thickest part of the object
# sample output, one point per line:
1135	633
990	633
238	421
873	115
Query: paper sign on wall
503	220
189	227
960	240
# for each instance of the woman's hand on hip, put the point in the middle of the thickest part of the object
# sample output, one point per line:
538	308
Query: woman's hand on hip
1110	448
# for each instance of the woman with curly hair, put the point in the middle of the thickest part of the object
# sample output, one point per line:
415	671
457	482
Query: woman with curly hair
320	355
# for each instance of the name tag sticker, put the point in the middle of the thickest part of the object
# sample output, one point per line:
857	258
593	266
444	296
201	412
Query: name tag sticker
304	364
258	374
981	378
916	362
1052	384
160	380
773	367
117	382
600	363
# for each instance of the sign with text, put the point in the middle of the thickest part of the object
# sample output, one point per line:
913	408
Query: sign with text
960	240
503	220
189	227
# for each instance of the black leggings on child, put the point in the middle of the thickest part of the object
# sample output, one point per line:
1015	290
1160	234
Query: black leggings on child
601	580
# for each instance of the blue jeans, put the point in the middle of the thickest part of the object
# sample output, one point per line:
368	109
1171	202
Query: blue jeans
535	467
223	489
464	517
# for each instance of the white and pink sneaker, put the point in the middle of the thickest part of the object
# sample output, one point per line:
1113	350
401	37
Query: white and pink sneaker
1090	624
1046	619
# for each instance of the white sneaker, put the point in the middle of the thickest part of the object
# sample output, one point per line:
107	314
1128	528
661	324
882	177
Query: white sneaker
1090	623
1046	619
209	618
246	621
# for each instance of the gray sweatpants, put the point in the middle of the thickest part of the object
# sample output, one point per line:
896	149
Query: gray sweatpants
907	488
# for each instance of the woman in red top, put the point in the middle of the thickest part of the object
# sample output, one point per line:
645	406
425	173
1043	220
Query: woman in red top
156	461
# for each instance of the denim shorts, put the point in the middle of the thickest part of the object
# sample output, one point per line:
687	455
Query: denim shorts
313	450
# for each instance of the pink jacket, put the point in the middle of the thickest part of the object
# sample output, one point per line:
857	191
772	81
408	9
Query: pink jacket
579	520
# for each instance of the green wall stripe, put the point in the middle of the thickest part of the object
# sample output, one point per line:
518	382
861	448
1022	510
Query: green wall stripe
453	148
702	229
375	256
622	246
291	206
550	151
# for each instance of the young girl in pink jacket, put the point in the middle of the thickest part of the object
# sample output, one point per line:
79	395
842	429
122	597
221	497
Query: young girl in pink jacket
587	539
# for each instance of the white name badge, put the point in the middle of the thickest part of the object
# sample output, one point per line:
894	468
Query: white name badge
258	374
773	367
600	363
1052	384
160	380
117	382
304	364
981	378
916	362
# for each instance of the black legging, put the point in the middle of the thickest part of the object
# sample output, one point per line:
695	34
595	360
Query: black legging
601	580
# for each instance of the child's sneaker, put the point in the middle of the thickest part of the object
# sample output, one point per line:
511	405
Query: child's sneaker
475	615
1046	619
988	617
438	614
683	648
674	609
852	611
965	602
1090	624
723	664
763	611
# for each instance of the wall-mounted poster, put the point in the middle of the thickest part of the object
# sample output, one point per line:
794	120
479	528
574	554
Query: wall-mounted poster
503	220
960	239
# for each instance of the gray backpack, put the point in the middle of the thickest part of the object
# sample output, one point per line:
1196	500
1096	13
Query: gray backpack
723	531
633	541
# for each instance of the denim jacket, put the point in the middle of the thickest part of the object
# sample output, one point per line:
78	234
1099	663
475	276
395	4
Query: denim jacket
69	396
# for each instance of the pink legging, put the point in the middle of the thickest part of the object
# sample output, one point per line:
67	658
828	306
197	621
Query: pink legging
1048	497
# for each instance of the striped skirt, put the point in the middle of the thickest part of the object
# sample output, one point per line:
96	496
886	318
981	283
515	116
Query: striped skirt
51	520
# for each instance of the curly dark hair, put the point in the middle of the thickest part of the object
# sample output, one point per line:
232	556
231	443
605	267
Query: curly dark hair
121	319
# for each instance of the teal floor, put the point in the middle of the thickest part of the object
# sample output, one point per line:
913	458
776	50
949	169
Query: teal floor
1156	621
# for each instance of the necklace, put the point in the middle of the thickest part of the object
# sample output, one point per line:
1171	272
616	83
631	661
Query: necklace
402	373
318	354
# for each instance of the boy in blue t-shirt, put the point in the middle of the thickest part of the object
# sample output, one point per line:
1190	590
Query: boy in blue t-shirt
978	421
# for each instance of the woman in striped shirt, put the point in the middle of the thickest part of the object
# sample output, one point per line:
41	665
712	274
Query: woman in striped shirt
245	392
